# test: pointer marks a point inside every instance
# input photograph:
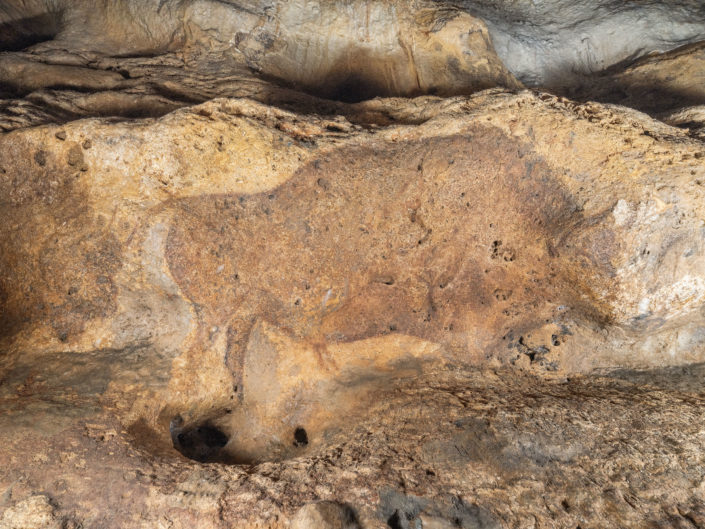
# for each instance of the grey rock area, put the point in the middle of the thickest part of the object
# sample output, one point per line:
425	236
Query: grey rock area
556	44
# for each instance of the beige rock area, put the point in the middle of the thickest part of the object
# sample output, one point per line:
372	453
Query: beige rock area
330	264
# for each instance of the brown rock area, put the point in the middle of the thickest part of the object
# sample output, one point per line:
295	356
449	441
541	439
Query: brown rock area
329	265
243	284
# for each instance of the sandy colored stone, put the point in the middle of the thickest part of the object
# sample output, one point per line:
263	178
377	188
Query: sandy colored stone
466	269
239	289
493	449
660	83
36	512
237	169
324	515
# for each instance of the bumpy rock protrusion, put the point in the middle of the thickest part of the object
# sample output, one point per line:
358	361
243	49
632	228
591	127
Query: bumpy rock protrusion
325	515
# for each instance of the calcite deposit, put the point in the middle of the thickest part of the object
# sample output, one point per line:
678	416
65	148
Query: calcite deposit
351	264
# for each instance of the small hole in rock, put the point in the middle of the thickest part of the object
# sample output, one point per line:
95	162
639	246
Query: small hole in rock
394	521
300	437
201	443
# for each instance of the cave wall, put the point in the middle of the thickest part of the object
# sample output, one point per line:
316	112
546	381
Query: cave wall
351	264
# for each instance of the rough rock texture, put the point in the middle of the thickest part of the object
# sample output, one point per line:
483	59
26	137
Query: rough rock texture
132	58
140	58
226	301
448	448
556	43
660	84
223	276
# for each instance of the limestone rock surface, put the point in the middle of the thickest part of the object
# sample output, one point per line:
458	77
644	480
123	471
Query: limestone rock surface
330	264
137	58
243	284
557	43
60	60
